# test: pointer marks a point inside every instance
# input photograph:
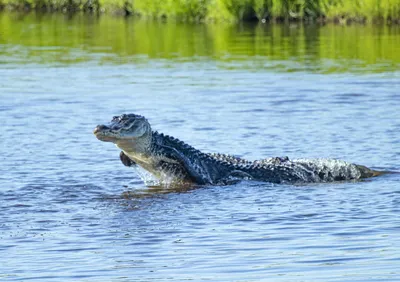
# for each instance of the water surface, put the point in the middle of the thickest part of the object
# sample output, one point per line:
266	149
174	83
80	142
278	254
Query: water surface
70	211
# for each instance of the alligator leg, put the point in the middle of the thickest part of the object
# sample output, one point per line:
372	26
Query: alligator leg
126	160
174	154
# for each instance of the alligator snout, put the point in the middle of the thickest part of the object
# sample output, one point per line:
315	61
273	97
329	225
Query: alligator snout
100	128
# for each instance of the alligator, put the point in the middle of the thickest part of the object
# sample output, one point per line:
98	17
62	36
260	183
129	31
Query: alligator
169	159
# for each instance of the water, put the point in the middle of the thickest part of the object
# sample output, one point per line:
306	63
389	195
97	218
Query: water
70	211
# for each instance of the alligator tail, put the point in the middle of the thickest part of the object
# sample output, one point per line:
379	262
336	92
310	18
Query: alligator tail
367	172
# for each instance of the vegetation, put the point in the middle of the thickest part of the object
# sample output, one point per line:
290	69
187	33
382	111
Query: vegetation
227	10
74	39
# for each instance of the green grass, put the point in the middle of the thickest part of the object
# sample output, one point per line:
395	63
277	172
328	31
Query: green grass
228	10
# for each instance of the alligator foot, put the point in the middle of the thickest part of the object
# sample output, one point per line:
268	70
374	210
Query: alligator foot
126	160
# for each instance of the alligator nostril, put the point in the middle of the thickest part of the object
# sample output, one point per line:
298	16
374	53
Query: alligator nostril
100	128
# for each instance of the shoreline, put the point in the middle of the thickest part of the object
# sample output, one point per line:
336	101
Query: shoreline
208	12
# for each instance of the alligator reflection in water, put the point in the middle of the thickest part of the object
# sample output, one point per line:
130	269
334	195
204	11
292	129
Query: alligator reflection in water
155	191
172	161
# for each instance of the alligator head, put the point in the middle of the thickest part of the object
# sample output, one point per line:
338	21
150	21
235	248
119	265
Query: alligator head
130	132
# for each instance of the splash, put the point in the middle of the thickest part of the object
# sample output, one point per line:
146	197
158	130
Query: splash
165	180
148	178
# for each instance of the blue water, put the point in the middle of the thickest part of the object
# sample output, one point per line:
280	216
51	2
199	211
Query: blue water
70	211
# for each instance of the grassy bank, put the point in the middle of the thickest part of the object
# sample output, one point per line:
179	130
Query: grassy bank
343	11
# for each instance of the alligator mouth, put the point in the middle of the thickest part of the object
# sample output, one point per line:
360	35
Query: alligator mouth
106	134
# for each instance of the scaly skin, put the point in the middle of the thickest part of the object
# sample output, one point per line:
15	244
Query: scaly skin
165	156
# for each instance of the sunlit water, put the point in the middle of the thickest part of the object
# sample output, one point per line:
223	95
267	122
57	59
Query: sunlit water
70	211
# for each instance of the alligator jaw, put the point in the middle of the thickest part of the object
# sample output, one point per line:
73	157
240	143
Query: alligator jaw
105	134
